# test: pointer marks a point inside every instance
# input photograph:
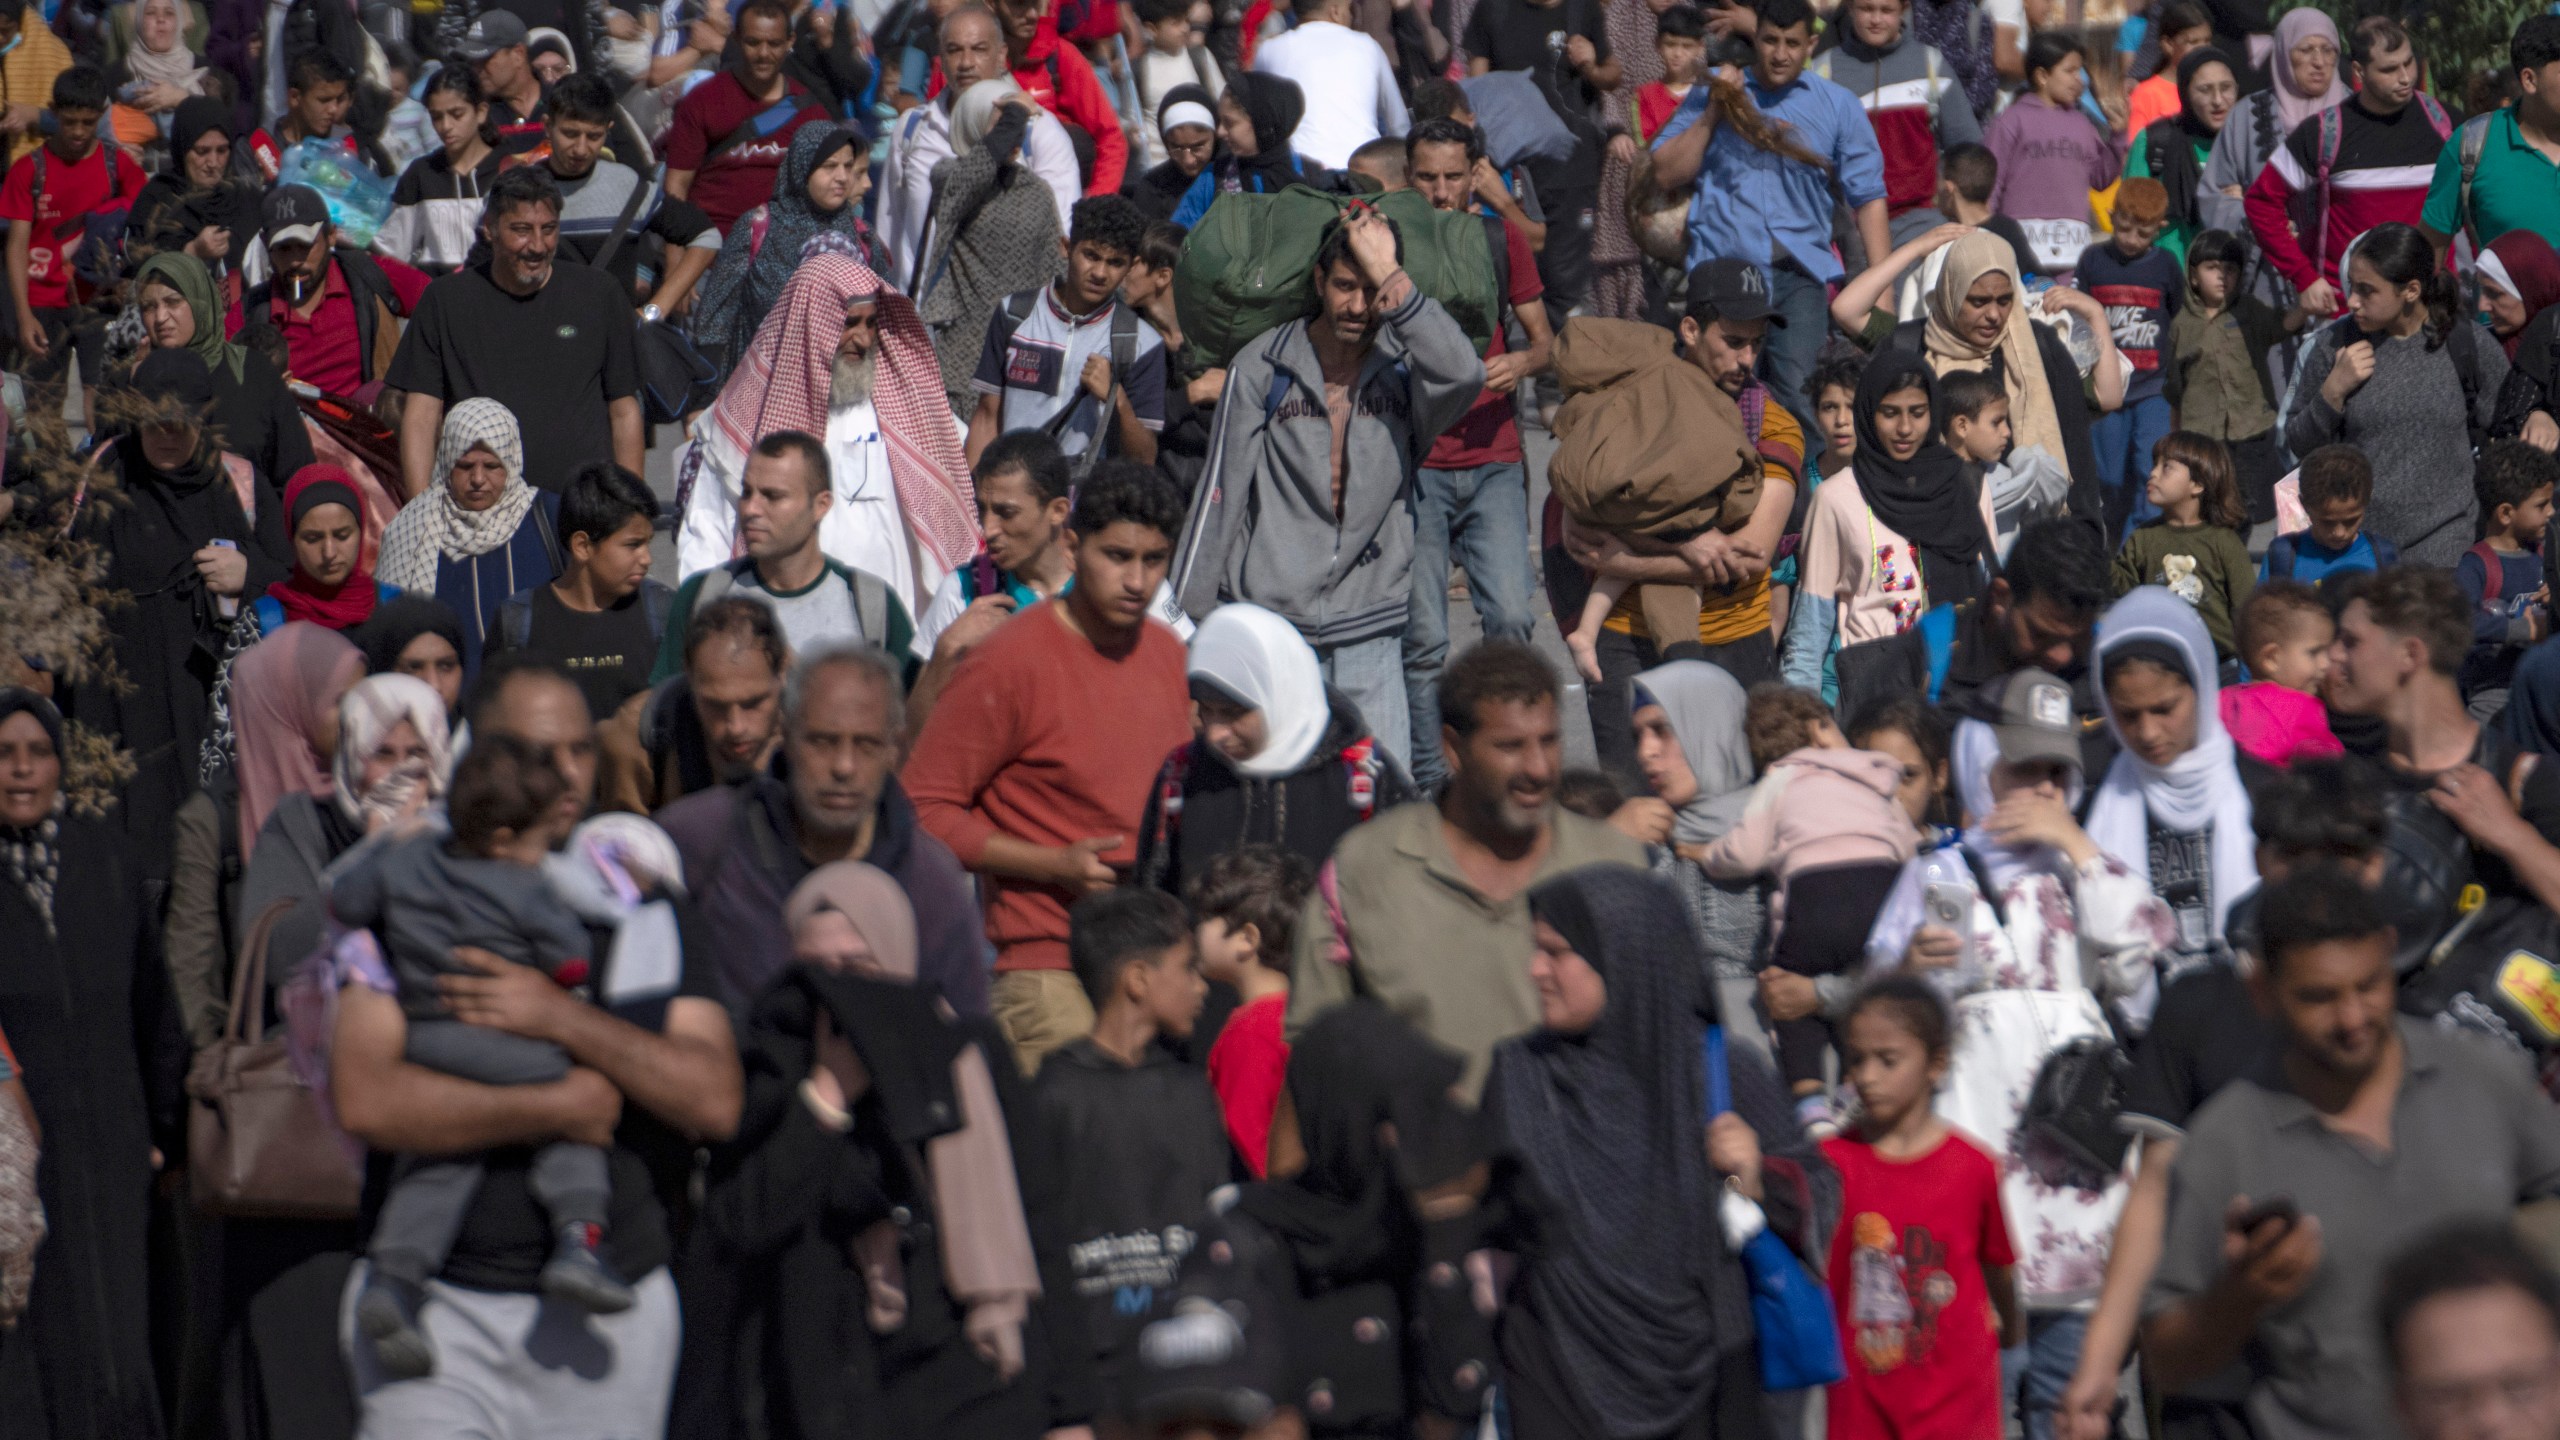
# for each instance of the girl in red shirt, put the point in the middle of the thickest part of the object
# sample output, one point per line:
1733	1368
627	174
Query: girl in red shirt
1920	1269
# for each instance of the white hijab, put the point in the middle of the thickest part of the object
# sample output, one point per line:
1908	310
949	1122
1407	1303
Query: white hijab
371	709
1977	749
2199	790
1262	660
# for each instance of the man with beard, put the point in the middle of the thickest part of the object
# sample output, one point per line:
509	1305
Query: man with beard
1426	907
714	724
555	344
831	794
2361	1132
845	358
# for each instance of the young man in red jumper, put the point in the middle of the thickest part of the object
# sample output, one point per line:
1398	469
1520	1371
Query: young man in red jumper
1036	764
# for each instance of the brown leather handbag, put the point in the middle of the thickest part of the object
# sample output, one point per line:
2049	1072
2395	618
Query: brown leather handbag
257	1145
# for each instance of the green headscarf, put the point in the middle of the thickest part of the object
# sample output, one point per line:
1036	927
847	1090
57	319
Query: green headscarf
186	274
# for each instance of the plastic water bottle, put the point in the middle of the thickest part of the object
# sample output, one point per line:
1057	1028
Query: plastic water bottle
1946	900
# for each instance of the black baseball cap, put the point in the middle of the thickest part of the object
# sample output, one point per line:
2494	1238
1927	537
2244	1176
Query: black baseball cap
1735	290
294	215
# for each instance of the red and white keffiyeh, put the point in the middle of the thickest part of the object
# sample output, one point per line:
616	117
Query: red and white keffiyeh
787	376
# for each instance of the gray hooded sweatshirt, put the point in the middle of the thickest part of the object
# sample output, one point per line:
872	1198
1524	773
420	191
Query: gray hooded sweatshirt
1262	527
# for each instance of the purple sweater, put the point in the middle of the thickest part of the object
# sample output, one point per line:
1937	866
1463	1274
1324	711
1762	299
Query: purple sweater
2050	160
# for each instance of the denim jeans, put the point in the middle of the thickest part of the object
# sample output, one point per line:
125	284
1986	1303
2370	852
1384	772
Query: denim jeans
1371	673
1805	303
2124	439
1482	516
2034	1375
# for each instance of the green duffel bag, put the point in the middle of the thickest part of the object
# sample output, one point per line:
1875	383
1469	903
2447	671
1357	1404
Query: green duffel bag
1247	267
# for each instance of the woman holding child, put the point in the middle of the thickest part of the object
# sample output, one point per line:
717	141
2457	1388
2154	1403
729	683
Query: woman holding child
898	1278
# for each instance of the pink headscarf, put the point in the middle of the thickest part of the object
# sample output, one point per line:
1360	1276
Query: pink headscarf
2293	106
2277	725
788	373
282	690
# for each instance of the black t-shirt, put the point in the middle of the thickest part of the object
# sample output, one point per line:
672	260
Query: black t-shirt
608	652
2182	874
506	1235
1517	35
557	358
2206	1033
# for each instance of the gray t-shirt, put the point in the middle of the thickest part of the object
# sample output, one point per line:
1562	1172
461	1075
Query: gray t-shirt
2471	1138
822	614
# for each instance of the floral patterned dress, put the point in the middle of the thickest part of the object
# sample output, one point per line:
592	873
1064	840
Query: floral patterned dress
2064	950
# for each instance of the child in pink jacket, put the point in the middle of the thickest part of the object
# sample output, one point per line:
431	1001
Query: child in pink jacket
1825	822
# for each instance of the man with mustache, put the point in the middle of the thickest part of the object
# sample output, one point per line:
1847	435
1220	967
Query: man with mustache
555	344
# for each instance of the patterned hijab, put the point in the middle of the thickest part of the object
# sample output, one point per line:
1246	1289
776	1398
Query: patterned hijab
433	528
33	857
763	248
787	376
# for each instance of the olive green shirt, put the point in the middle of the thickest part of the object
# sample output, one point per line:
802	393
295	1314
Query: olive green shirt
1419	938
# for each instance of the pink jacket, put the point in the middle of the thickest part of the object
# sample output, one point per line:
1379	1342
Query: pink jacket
2278	725
1816	808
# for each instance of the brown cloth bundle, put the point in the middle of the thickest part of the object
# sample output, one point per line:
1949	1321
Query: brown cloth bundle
1647	445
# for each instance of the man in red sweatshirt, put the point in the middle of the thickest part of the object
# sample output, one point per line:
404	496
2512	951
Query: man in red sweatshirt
2378	149
1036	764
1062	80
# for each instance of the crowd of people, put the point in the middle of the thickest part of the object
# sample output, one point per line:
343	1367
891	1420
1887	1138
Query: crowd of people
1040	926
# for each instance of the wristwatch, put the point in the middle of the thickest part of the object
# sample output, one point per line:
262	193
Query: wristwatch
651	312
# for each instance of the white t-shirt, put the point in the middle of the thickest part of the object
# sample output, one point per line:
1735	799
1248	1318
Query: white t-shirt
1350	89
823	614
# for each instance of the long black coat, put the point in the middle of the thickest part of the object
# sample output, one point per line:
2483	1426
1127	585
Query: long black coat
90	1015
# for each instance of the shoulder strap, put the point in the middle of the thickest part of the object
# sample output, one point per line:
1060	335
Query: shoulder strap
871	607
1718	1078
1124	337
715	583
2332	135
1279	392
750	129
2437	119
244	483
641	185
1982	882
2493	575
655	602
2475	139
550	541
1938	633
1019	305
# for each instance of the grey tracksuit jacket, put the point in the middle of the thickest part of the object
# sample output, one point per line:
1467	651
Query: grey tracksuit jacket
1262	527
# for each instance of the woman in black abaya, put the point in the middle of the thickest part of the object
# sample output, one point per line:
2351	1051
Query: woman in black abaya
1631	1316
84	1000
179	540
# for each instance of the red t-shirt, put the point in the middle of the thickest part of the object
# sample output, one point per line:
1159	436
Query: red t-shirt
1655	105
1917	1327
72	189
1489	433
740	178
1247	1067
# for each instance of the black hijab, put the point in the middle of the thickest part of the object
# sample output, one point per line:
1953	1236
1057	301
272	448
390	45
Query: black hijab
1611	1127
396	622
2176	139
1345	1216
1929	499
194	495
172	211
1275	106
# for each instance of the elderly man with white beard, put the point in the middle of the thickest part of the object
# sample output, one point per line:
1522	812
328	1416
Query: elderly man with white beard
843	358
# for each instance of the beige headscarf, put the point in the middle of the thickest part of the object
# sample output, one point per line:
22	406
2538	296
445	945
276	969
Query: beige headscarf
987	1262
2033	420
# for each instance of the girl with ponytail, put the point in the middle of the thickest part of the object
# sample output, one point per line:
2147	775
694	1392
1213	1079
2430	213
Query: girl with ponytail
2402	377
